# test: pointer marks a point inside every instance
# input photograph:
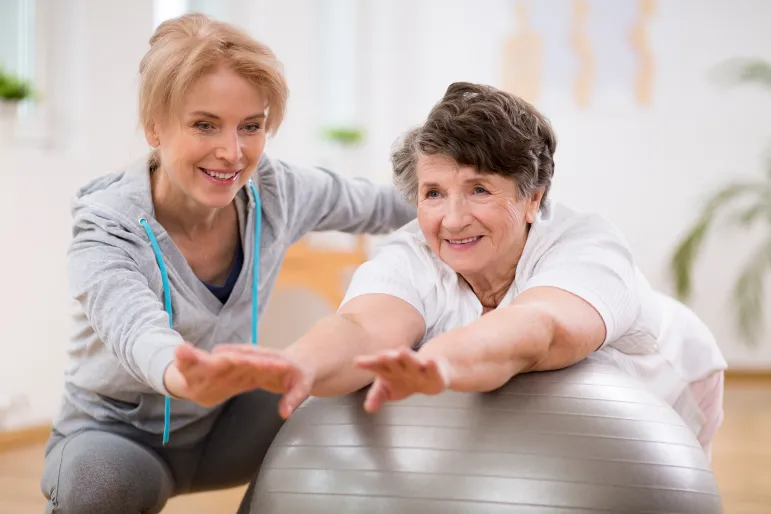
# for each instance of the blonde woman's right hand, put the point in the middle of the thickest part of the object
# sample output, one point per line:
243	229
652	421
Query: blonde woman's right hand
231	369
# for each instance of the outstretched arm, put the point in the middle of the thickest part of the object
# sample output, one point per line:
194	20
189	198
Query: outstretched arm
367	324
102	276
583	293
544	328
320	363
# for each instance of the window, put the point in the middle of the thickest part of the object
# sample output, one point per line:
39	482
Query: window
17	39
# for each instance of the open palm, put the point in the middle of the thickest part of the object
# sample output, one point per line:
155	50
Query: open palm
232	369
401	373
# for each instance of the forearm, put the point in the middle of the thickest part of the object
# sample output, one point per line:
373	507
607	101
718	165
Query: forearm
329	349
485	355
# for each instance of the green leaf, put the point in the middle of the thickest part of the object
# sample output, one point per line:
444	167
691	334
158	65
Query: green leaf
13	88
344	135
745	71
749	290
684	257
688	249
760	209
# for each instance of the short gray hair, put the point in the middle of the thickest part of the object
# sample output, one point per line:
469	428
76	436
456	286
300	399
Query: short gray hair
480	126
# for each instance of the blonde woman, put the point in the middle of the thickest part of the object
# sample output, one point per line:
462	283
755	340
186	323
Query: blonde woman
181	251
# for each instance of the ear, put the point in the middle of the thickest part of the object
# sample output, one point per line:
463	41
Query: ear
151	134
533	206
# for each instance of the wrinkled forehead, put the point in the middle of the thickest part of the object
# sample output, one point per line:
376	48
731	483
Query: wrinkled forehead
438	166
444	171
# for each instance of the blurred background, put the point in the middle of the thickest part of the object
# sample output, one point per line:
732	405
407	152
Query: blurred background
661	108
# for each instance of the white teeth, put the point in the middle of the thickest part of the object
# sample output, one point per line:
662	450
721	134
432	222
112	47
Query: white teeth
220	176
462	241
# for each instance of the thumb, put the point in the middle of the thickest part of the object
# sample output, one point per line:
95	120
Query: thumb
376	396
185	356
298	390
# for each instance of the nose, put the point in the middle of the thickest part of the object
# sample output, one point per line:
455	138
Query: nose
457	215
229	147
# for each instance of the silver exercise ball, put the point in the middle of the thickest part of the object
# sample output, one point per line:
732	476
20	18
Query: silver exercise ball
585	439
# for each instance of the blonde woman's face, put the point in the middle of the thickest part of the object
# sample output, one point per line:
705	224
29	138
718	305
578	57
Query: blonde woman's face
214	145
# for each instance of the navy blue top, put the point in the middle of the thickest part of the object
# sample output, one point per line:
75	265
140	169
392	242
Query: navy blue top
223	292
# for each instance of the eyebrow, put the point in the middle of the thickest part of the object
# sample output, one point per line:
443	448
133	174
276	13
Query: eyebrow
206	114
474	180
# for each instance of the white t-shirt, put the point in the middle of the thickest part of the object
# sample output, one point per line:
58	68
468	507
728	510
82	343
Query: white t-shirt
650	335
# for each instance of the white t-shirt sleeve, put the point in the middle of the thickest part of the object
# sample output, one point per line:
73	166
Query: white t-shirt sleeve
591	260
398	268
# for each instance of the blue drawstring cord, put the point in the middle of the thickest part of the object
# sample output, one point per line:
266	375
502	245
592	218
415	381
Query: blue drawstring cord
167	304
167	289
256	260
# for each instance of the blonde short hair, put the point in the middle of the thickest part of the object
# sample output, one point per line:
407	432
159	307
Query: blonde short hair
184	49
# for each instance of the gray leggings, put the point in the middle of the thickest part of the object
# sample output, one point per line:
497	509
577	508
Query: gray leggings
99	471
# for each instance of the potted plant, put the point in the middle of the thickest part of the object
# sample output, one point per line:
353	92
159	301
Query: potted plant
345	136
742	205
13	90
342	151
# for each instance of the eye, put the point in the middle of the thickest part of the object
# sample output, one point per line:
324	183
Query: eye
252	127
432	193
204	126
479	190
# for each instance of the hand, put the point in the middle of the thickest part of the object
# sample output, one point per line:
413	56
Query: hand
401	373
198	376
232	369
274	371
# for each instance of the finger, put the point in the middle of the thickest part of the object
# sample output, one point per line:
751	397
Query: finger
260	360
434	378
385	370
383	362
366	361
444	371
245	378
376	396
191	364
410	362
246	349
185	356
292	399
221	366
263	374
260	365
232	347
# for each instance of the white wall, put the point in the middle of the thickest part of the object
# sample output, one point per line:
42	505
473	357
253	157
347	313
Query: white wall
656	163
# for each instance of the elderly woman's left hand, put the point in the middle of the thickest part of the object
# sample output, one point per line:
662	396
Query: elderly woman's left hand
401	373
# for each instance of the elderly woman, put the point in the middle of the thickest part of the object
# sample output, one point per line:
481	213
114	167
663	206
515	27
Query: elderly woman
494	279
185	247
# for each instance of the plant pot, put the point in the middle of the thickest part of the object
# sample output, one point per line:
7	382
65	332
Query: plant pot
9	114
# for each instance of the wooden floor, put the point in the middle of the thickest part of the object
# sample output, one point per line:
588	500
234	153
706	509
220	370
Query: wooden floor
741	460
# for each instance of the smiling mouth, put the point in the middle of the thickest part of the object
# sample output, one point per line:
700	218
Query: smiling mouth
464	241
222	176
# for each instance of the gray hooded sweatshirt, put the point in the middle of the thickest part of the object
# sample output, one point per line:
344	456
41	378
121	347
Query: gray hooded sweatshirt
122	341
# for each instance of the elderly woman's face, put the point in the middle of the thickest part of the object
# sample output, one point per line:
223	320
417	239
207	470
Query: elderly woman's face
211	149
472	221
